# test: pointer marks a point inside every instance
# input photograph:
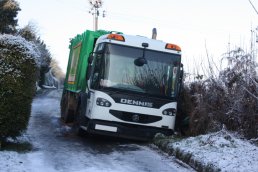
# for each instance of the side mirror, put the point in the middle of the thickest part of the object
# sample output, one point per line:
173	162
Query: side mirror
140	61
181	74
90	59
88	72
181	70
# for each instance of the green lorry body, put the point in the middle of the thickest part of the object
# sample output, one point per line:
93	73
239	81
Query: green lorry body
81	46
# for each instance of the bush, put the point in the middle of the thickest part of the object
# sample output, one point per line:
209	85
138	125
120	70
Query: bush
230	99
207	107
8	13
18	73
29	33
241	87
185	109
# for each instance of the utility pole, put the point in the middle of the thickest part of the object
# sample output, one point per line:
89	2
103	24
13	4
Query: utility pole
95	5
254	37
253	7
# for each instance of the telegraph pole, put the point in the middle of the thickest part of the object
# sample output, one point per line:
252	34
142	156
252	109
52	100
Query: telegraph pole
253	7
95	5
254	37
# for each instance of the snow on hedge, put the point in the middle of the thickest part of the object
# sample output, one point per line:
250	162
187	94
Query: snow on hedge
18	45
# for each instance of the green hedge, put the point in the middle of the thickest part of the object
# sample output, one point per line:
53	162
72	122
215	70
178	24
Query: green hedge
18	74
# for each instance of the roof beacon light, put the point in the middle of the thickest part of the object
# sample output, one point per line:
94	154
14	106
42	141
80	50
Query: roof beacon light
173	47
116	37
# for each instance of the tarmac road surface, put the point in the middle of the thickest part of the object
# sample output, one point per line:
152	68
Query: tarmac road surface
58	148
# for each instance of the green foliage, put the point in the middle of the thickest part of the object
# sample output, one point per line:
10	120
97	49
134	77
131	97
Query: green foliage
21	147
30	34
8	12
18	71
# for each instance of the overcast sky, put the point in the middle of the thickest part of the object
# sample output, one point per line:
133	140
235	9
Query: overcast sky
191	24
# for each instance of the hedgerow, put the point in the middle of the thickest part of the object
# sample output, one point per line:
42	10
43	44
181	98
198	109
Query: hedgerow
18	74
229	99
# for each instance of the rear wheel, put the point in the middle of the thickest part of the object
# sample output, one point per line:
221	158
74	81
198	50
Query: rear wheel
66	113
80	120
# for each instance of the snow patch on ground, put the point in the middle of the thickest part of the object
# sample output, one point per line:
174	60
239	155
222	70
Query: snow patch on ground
221	150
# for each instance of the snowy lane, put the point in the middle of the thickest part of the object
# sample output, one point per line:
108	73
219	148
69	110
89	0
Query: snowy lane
58	149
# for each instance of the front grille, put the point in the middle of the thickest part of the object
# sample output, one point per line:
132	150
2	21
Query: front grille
135	117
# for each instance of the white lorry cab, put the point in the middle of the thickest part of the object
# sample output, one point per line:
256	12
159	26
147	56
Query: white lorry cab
133	84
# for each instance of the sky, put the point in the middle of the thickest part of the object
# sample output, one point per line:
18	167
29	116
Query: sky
194	25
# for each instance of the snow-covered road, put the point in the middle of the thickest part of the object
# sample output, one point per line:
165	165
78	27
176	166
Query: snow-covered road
57	149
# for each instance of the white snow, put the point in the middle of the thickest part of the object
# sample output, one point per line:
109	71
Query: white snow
222	149
20	44
74	154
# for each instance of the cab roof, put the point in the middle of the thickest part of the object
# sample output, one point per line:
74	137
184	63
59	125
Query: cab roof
137	41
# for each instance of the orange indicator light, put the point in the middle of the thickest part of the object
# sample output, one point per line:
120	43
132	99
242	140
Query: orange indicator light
173	47
116	37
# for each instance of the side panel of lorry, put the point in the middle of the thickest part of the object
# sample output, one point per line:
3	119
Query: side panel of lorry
75	82
80	48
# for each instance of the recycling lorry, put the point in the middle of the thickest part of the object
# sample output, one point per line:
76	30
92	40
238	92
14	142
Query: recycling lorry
121	85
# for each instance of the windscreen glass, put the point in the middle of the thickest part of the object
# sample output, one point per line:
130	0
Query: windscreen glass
119	71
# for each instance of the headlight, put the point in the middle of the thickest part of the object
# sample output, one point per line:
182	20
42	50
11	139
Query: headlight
169	112
103	102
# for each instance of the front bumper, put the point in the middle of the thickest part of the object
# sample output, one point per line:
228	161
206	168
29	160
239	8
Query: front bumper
124	130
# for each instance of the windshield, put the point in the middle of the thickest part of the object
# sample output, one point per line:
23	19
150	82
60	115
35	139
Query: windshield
158	77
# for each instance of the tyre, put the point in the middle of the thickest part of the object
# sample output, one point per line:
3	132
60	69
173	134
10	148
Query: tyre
67	115
79	121
63	105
